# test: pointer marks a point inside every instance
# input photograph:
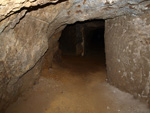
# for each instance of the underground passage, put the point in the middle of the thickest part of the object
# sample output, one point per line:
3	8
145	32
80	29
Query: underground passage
74	56
76	80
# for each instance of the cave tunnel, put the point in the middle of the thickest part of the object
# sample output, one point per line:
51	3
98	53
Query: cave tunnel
76	81
84	42
83	38
74	56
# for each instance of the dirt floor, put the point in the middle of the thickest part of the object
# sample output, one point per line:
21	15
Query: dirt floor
77	85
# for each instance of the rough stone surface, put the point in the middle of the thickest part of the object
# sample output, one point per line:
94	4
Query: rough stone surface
27	25
20	49
71	40
71	10
127	41
11	91
9	7
47	60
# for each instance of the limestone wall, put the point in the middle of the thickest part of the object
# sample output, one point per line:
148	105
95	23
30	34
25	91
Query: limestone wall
127	41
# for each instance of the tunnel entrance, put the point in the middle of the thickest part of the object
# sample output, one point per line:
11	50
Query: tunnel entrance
82	47
83	38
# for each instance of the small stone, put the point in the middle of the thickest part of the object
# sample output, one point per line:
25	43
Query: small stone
118	110
108	107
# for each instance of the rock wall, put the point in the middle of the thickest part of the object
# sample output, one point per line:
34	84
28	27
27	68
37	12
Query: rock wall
23	42
127	41
26	44
71	41
19	47
53	49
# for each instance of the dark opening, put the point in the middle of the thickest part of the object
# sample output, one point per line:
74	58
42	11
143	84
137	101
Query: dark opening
83	38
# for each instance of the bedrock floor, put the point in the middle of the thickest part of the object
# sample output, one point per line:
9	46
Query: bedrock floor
77	85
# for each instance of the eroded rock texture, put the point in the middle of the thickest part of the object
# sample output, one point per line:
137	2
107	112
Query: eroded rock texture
26	26
127	54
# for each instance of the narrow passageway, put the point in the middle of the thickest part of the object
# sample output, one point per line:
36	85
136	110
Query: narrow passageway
52	57
78	84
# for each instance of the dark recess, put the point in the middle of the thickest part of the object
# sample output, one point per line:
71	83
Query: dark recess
72	38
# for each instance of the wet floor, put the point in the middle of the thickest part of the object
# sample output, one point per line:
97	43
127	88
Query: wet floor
76	85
